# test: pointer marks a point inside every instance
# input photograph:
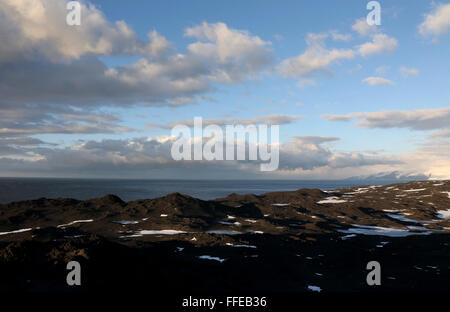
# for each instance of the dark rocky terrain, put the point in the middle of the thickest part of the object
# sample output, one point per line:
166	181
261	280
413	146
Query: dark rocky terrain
305	240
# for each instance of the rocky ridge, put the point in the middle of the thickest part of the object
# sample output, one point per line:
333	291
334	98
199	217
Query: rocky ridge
280	241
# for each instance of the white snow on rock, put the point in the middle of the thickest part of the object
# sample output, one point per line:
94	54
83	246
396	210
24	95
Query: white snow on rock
241	245
382	244
75	222
224	232
226	223
359	191
444	214
332	200
125	222
212	258
16	231
415	190
314	288
348	236
131	236
382	231
160	232
401	218
280	205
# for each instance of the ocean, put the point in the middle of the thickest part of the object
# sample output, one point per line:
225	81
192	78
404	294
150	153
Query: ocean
16	189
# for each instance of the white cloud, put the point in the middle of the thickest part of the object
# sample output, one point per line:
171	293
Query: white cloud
305	82
20	121
431	157
37	40
358	68
139	157
157	78
235	51
36	29
278	37
223	55
379	43
158	45
364	29
378	81
437	22
381	70
441	133
419	119
301	157
408	72
316	57
340	37
267	120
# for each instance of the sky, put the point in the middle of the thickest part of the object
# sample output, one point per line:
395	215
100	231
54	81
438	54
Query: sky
99	99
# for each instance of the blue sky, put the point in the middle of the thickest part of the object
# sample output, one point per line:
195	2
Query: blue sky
398	70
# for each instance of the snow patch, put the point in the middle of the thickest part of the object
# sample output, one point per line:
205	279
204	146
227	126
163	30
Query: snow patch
131	236
16	231
224	232
444	214
382	231
401	218
332	200
240	246
160	232
125	222
359	191
212	258
348	236
75	222
415	190
314	288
